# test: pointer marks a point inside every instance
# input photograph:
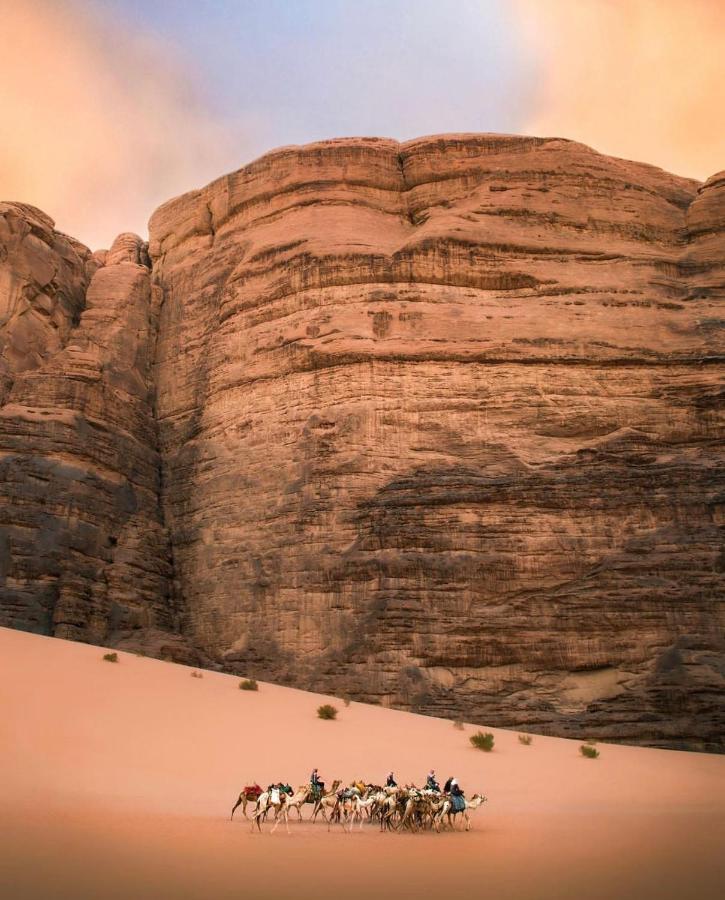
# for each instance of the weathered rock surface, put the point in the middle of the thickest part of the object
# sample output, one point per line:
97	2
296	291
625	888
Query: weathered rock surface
435	424
83	549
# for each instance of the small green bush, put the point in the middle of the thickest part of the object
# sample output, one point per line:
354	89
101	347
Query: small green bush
326	711
458	725
248	684
111	657
525	739
589	751
482	741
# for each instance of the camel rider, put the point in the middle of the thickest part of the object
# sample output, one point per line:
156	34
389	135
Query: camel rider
391	782
431	782
447	786
457	800
318	786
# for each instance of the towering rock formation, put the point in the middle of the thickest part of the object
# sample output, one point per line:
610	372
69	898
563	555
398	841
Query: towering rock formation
83	550
438	427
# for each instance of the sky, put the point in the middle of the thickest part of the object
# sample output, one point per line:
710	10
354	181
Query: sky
110	107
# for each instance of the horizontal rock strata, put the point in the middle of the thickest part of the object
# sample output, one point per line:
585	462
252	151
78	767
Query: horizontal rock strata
83	549
434	424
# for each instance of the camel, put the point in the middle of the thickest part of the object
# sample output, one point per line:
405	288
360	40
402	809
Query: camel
359	807
302	795
327	801
447	810
351	804
417	808
387	808
277	800
250	794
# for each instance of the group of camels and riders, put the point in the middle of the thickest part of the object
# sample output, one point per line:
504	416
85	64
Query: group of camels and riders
393	807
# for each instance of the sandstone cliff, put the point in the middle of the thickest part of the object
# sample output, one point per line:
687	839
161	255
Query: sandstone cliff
83	550
433	424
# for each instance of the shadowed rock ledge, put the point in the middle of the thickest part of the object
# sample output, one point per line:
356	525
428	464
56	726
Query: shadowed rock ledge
434	424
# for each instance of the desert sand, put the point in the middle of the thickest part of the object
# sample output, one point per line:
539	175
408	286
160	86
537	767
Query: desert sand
118	780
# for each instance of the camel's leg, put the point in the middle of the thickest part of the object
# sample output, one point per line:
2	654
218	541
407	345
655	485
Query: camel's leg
276	821
236	805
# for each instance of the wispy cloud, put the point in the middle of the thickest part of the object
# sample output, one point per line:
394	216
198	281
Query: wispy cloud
642	79
110	107
99	124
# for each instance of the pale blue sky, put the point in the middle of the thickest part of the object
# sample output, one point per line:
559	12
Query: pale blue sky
297	70
111	107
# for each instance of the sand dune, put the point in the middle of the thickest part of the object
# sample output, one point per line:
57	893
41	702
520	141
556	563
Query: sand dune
118	781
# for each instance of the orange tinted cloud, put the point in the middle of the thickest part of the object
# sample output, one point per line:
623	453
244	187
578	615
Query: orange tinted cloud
641	79
98	125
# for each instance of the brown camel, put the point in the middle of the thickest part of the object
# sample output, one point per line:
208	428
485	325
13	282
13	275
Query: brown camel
327	801
250	794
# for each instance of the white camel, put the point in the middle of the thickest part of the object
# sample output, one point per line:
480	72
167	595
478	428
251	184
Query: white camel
276	800
447	810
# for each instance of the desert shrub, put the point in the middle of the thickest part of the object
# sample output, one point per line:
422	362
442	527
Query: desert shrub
589	751
196	675
111	657
525	739
248	684
482	741
458	725
326	711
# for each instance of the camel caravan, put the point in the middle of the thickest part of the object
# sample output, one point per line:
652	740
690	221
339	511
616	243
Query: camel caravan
390	806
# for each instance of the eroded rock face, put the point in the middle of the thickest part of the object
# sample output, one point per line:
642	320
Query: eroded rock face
84	552
435	424
439	424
